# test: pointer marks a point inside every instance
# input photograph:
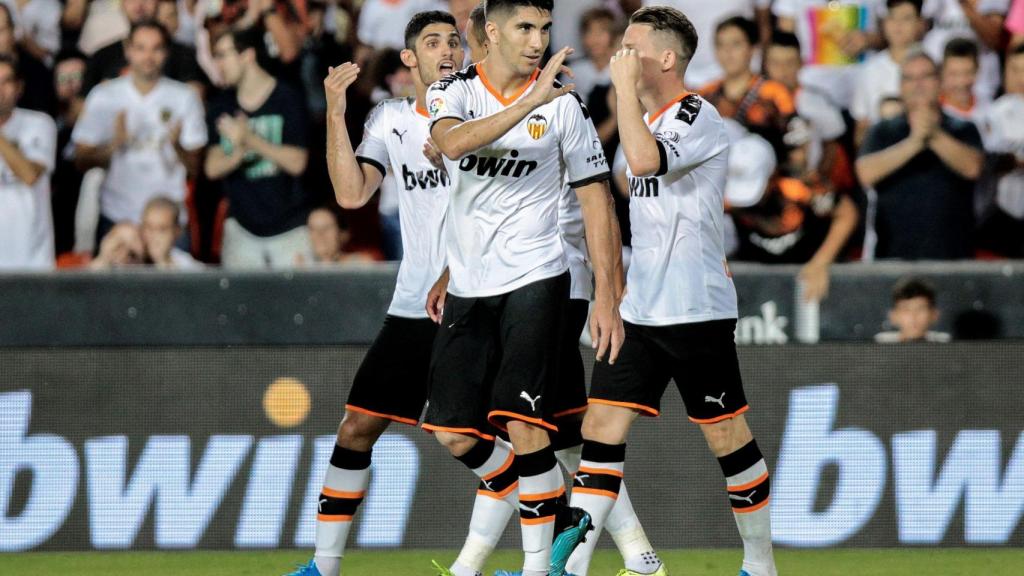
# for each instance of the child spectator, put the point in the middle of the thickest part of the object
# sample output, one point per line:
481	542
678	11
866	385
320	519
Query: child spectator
913	314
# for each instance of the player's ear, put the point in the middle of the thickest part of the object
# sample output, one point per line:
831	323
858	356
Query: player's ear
491	28
408	58
668	60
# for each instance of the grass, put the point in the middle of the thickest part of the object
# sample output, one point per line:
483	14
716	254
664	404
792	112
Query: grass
848	562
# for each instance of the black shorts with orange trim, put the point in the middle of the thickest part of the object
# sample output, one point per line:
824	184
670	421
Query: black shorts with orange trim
392	380
569	392
493	358
700	357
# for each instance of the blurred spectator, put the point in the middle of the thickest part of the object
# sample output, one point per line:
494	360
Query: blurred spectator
259	158
35	76
598	32
891	107
706	16
146	130
68	71
37	24
381	22
1015	23
978	20
878	77
149	244
567	23
959	74
167	16
834	37
763	106
330	238
322	50
1002	231
27	148
913	314
111	61
923	166
825	155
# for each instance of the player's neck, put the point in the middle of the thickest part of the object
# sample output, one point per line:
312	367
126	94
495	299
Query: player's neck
421	94
662	95
503	78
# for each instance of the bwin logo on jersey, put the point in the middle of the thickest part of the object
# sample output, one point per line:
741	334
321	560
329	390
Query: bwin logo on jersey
643	187
423	179
537	126
494	167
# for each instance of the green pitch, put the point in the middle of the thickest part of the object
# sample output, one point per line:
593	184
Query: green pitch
928	562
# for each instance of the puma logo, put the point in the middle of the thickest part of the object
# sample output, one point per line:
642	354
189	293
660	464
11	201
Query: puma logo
532	401
487	485
535	510
689	115
400	135
320	505
720	400
748	499
580	477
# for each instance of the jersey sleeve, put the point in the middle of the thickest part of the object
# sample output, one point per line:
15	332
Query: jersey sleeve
373	150
687	139
582	151
448	98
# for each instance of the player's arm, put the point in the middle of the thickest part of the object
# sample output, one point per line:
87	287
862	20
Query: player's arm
354	182
604	245
638	144
456	137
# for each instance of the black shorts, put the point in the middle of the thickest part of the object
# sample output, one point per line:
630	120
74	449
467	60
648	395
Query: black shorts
700	357
569	392
493	358
392	380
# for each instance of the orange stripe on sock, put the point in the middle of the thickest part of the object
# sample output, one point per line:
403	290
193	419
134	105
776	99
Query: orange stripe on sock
646	410
533	521
505	466
753	508
392	417
607	471
499	495
339	494
748	485
720	418
544	496
595	492
326	518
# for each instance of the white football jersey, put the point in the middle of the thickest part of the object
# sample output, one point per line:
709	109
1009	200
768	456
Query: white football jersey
678	273
393	138
503	228
148	166
26	225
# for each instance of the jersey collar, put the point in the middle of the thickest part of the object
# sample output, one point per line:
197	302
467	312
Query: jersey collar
673	102
505	101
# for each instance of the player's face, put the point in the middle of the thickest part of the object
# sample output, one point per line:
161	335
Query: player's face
10	90
958	76
913	317
438	52
477	49
158	230
782	64
733	51
522	38
324	235
228	60
645	40
146	53
902	26
1014	79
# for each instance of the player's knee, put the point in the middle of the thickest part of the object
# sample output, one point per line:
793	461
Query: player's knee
360	431
727	436
457	444
606	424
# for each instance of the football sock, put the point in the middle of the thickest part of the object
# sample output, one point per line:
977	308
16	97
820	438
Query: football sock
344	488
629	536
596	488
541	494
496	499
746	479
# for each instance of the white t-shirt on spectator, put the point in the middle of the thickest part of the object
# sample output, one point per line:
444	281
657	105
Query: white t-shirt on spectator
148	166
878	78
40	20
26	224
1003	129
836	81
825	118
705	16
382	22
948	22
184	261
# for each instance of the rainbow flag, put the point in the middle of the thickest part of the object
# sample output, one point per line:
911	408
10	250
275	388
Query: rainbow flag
828	24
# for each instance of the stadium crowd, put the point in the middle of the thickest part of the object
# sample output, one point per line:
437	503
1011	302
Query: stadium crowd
175	132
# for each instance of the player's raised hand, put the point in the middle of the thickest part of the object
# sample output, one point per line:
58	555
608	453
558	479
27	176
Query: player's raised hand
625	68
544	91
336	84
606	330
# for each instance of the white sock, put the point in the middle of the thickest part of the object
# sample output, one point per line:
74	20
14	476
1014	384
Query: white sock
624	527
344	488
596	489
749	488
569	458
541	494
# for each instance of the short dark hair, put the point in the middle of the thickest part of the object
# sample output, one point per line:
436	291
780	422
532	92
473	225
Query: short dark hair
745	25
497	6
785	40
245	39
479	18
421	21
961	48
666	19
909	288
13	63
917	4
150	25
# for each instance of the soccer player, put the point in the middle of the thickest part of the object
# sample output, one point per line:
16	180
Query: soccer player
385	389
569	393
680	304
509	133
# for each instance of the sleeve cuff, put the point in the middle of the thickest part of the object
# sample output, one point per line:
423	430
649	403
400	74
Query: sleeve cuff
591	180
662	160
436	120
372	162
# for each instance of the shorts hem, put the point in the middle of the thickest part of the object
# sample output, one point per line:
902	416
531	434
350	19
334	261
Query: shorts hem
719	418
464	431
493	415
570	412
392	417
645	410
